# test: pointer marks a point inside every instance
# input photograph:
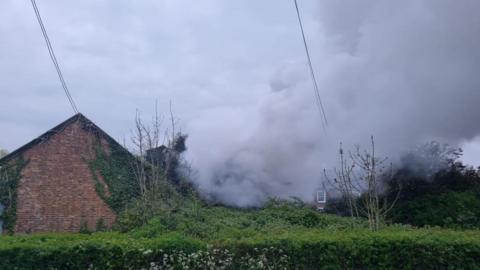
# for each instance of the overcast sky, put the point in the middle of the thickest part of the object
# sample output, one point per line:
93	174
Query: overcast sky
403	71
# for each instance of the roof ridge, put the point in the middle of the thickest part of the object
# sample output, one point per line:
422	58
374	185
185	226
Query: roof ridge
49	133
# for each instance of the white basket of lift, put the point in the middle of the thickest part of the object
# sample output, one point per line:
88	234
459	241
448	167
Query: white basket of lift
321	200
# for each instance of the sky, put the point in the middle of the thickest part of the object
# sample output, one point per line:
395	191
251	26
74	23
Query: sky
405	72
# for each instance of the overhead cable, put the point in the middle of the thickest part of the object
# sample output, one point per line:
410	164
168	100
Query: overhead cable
53	57
318	100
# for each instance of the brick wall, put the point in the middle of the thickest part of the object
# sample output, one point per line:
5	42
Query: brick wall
57	191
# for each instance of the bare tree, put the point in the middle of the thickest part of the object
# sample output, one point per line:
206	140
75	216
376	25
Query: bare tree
344	184
359	180
149	141
372	173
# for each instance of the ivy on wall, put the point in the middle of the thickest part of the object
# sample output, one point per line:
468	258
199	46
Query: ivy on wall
10	175
116	169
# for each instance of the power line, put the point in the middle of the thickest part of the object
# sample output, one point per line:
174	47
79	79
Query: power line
318	100
53	57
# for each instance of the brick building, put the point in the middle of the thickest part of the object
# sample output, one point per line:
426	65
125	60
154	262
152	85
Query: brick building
57	189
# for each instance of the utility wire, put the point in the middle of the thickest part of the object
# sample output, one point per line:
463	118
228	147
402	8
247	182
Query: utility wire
318	100
53	57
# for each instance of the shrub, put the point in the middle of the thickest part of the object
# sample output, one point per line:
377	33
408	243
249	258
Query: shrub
95	251
301	249
451	209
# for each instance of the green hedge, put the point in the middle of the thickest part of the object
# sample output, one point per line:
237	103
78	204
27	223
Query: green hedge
314	249
98	251
406	249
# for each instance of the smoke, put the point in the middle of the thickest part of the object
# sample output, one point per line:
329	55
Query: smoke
405	72
429	158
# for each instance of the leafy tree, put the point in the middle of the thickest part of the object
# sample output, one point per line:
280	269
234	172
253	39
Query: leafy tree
421	168
437	189
449	209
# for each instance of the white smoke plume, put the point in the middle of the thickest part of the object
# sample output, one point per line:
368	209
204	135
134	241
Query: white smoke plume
405	72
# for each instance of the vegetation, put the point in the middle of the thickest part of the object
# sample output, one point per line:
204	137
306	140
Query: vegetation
283	235
359	181
451	198
166	230
447	195
160	173
163	224
114	166
430	187
449	209
157	163
217	223
147	182
10	174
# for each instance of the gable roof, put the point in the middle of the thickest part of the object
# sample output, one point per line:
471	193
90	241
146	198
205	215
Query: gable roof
60	127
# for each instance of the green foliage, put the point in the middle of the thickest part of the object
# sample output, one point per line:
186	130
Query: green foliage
100	225
116	167
94	251
214	258
448	198
283	235
84	228
455	177
10	175
300	249
161	201
216	222
451	209
362	249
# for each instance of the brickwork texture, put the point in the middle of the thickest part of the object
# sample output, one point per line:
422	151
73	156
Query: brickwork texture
57	191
